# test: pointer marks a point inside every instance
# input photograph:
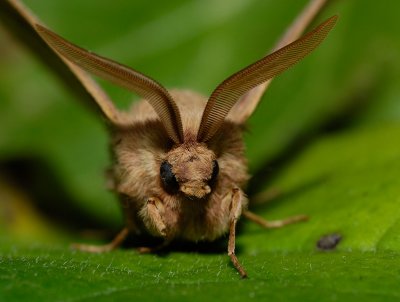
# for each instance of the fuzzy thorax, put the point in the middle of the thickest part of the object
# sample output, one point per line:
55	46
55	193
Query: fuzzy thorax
192	182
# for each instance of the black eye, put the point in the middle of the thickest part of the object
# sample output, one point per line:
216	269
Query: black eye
215	172
168	178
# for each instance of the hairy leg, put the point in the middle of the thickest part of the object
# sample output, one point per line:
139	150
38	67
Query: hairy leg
236	208
273	224
155	209
116	242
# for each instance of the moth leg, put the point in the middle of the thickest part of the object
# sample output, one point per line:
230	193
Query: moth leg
155	209
236	208
273	224
116	242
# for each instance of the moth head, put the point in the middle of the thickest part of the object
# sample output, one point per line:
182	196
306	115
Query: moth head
190	169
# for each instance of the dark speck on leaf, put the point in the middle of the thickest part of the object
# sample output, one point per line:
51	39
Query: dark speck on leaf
328	242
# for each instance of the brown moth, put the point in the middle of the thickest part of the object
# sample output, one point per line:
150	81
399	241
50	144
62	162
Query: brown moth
179	164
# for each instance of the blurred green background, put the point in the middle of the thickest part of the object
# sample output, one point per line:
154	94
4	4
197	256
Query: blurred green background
326	134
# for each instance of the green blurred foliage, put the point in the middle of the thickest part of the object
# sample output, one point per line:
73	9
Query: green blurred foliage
325	134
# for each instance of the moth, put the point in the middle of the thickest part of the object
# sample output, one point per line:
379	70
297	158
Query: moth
179	166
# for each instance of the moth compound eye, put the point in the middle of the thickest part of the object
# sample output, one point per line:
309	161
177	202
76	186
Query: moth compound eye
215	172
168	178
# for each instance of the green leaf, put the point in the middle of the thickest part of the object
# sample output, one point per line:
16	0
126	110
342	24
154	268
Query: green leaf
57	275
349	184
346	181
